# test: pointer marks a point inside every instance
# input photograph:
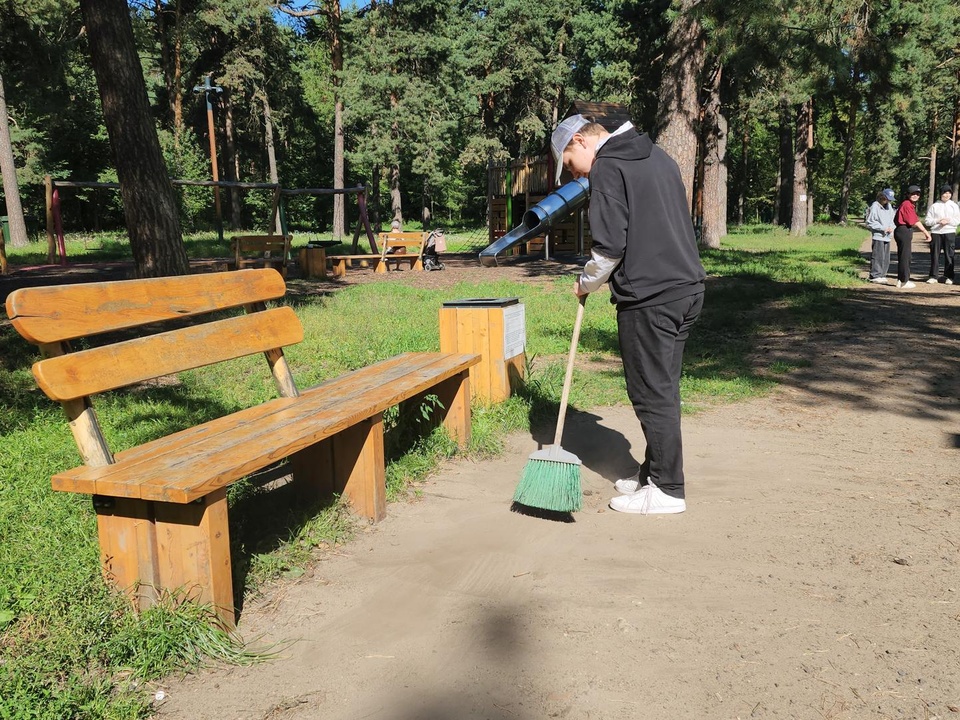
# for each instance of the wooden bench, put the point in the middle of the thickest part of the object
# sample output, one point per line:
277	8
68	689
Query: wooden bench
339	263
398	247
161	507
395	248
267	250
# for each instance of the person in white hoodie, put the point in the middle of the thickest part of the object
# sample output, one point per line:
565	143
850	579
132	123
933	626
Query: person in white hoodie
942	218
879	221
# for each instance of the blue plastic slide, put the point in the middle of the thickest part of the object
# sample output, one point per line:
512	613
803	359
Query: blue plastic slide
541	217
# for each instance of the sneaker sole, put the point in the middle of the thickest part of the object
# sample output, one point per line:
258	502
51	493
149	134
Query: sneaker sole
659	511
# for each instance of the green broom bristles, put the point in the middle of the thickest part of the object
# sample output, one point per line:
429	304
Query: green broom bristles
550	484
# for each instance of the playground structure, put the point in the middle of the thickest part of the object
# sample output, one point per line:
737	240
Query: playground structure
56	246
516	186
552	210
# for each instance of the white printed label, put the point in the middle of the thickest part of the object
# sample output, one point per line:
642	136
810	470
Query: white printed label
514	331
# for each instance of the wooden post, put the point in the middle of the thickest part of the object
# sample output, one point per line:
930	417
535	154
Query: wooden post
351	463
48	195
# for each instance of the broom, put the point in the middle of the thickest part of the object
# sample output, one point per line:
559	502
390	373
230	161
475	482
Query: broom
551	479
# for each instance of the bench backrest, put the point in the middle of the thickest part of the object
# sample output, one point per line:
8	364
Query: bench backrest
411	243
51	317
274	249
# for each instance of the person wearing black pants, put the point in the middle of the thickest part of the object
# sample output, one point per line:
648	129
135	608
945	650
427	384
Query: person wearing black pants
942	219
644	245
652	340
906	220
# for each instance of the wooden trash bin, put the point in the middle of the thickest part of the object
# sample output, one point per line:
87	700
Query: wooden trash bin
494	328
313	262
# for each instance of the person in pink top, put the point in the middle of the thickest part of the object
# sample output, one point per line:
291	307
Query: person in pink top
906	220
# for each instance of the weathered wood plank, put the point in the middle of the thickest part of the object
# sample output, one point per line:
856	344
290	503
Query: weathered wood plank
191	463
51	314
114	366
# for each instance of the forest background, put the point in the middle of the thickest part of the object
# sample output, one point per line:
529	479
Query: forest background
777	111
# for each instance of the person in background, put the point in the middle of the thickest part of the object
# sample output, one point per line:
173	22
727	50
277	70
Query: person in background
645	247
942	219
906	220
880	222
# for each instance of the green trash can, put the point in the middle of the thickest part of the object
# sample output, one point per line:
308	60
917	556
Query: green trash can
5	225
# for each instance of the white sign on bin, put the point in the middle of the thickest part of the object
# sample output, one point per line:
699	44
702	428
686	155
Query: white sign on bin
514	331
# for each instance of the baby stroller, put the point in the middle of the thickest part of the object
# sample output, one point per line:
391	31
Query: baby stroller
436	244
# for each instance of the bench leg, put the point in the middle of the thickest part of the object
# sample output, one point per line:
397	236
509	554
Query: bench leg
359	467
148	547
128	551
313	479
350	463
193	550
453	395
338	268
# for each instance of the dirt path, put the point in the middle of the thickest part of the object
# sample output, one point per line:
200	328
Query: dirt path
814	575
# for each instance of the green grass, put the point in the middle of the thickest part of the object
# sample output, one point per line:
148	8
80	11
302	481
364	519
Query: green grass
69	648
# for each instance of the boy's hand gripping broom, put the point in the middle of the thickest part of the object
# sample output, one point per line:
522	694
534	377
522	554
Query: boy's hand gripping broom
551	479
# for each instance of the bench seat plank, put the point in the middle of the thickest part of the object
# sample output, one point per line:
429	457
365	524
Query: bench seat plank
224	450
99	369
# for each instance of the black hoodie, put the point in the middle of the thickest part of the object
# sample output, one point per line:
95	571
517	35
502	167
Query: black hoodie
639	215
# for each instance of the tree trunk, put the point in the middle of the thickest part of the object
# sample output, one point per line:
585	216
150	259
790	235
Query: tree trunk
374	204
271	150
233	162
149	200
714	168
932	194
782	207
679	110
955	144
8	169
850	142
336	61
396	207
798	220
744	183
425	215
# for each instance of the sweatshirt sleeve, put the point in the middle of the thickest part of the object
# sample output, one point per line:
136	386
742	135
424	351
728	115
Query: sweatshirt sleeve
873	221
597	271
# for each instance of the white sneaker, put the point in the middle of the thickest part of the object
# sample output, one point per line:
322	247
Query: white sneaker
649	500
880	281
906	285
932	281
947	281
630	485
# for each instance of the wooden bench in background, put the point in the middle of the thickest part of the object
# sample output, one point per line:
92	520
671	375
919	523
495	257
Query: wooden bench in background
339	263
398	247
161	507
395	248
261	250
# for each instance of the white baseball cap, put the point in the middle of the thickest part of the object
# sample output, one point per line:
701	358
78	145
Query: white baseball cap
561	138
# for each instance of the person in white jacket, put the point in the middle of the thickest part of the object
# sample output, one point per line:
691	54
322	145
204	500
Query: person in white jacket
942	218
879	221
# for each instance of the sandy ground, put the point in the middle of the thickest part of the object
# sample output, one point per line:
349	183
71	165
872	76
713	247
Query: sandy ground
814	575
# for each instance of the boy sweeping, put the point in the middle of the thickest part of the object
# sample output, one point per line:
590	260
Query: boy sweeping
644	246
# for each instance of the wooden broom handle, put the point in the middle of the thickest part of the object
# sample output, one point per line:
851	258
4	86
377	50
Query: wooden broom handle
569	376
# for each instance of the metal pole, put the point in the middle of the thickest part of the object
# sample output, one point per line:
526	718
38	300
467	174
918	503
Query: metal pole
207	88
